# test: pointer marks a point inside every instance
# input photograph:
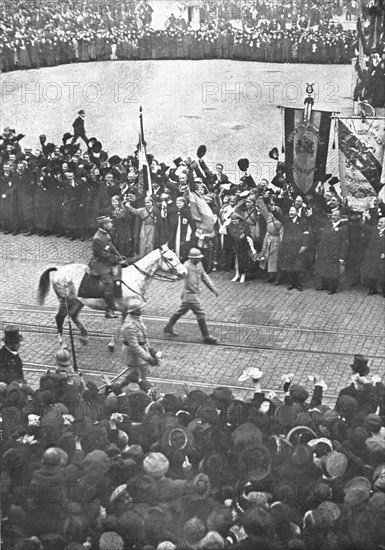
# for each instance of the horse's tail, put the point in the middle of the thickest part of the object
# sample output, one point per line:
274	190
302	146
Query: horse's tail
44	285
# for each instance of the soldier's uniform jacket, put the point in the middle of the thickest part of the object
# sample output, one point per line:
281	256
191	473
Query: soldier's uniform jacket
192	283
136	346
105	255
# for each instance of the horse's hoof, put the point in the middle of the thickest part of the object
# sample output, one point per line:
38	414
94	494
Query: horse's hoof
111	346
84	340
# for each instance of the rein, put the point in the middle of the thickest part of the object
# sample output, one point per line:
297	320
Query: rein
132	290
156	276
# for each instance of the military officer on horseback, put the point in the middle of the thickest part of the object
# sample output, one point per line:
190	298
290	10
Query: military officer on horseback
105	257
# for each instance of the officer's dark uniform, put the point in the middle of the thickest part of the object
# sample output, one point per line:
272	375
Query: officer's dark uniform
105	257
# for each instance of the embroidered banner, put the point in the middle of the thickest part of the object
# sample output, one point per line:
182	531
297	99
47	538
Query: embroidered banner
306	147
361	144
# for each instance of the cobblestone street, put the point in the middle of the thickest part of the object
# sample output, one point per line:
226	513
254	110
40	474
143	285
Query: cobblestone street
257	324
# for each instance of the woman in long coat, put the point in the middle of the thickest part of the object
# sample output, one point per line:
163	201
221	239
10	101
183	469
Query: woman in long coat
239	233
295	241
374	260
271	242
182	228
149	215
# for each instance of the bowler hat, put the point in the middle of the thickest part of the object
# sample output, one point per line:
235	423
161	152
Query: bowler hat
177	161
201	151
114	160
273	154
333	180
11	335
66	137
97	147
243	164
360	365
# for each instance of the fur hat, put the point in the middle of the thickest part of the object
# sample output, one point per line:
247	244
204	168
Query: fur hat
111	541
156	465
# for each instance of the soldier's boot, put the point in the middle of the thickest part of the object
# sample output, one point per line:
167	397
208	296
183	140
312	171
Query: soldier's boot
110	303
205	332
169	328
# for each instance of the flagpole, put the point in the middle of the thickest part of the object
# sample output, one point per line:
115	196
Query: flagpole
141	126
142	145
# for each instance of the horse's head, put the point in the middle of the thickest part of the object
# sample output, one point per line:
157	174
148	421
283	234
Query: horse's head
170	262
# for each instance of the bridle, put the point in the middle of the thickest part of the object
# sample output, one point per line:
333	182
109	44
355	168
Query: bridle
159	276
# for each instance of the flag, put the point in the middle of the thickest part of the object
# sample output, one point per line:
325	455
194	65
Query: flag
361	144
202	214
306	147
143	161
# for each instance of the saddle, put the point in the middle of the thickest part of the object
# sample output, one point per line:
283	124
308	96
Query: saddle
92	287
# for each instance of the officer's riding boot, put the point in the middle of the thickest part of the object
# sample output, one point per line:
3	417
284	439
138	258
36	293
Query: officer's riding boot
205	332
169	328
110	302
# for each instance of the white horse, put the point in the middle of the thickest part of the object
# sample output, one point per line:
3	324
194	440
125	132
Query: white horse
135	282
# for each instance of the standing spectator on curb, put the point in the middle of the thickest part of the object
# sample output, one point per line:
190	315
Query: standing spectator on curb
191	296
374	260
79	130
332	247
294	243
11	366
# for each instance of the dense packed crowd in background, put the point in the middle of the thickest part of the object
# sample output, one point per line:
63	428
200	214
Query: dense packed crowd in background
257	228
40	36
119	468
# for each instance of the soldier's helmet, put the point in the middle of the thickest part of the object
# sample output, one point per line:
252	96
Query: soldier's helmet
195	253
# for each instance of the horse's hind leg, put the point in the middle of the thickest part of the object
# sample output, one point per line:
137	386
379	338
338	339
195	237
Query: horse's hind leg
75	309
60	316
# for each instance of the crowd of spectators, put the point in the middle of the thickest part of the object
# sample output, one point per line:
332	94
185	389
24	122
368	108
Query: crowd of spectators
46	35
256	228
120	468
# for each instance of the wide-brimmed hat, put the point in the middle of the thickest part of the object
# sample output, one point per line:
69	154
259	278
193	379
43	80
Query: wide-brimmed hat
254	462
12	335
301	434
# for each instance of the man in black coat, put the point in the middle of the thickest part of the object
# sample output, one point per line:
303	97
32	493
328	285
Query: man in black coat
79	130
11	366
